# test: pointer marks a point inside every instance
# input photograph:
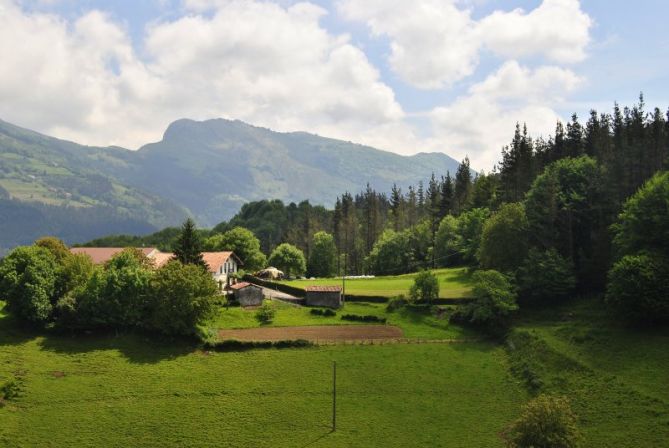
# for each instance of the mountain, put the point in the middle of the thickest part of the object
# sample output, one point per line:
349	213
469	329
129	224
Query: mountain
54	187
215	166
206	169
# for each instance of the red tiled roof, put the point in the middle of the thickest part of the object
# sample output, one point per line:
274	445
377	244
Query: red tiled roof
160	259
215	260
240	285
101	255
323	289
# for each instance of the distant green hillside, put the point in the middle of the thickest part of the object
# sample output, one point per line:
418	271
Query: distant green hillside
205	169
50	186
214	167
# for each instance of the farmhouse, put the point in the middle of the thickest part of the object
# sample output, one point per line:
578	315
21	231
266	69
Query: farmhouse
101	255
329	296
219	264
247	294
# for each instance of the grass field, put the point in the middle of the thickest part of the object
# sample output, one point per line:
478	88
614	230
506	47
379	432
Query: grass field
616	377
453	284
131	390
414	323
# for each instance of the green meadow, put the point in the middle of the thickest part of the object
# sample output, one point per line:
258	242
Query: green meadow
137	390
415	323
454	283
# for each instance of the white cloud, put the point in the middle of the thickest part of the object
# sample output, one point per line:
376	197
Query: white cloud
275	65
480	122
435	43
557	29
255	61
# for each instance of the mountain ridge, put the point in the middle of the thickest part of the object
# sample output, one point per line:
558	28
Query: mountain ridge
206	169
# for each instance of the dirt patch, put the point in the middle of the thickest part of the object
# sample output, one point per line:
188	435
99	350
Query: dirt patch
58	374
314	333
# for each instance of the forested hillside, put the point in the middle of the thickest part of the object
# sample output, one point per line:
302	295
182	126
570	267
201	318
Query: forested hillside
563	193
205	169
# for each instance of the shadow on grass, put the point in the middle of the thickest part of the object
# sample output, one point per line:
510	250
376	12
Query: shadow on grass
316	440
13	333
136	347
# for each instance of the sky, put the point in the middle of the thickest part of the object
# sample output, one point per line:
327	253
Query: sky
453	76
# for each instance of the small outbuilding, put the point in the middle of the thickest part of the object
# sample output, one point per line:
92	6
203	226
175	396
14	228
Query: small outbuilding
247	294
328	296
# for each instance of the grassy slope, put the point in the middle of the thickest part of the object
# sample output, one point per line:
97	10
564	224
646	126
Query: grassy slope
128	391
453	283
415	324
617	377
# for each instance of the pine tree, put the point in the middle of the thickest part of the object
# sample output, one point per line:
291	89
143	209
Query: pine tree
397	208
188	247
412	207
574	141
421	200
446	205
337	225
463	186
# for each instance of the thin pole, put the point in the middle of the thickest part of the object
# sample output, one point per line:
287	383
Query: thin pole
334	396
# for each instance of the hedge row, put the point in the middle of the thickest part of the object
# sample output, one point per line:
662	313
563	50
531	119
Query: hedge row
235	345
365	318
319	312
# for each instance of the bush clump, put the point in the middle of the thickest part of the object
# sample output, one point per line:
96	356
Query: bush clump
494	301
425	287
265	313
545	421
638	288
397	303
365	318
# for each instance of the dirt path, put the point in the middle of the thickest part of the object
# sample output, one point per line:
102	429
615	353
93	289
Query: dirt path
315	333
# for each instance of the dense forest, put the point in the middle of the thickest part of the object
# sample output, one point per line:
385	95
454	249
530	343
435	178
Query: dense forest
569	189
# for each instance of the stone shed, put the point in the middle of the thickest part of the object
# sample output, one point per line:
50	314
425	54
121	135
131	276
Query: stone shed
247	294
329	296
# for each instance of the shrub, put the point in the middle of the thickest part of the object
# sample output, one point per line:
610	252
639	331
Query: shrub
396	303
28	283
494	300
425	287
183	297
365	318
545	276
545	422
10	389
265	313
326	312
638	287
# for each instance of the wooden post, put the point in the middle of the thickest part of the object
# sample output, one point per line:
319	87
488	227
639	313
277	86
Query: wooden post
334	396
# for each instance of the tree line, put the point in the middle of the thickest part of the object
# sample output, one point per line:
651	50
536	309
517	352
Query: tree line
46	285
547	215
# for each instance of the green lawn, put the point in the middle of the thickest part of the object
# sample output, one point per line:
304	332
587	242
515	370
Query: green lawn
415	323
453	284
129	391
